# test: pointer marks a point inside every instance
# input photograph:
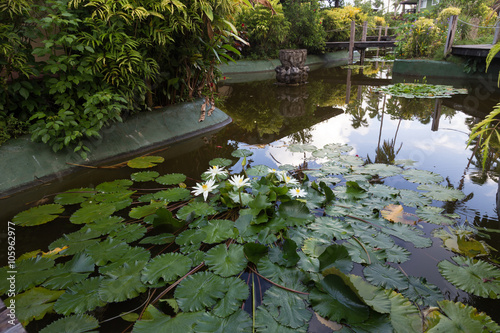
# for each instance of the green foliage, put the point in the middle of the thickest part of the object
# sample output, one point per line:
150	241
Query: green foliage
337	22
420	90
419	39
220	248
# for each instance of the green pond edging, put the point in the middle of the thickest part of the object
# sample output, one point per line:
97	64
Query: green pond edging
439	69
259	70
26	163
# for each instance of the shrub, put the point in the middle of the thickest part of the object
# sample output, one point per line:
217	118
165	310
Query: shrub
446	13
336	22
266	33
419	39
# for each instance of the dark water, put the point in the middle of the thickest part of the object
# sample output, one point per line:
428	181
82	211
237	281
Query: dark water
329	109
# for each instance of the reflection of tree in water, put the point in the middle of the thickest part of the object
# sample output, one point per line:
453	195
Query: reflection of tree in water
386	153
358	114
303	136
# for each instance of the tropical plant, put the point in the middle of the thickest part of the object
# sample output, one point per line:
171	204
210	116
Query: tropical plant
263	250
336	22
419	38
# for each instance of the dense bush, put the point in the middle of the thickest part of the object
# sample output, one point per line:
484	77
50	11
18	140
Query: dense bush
337	22
420	38
102	60
266	32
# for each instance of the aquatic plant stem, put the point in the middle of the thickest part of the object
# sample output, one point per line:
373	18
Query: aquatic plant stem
163	293
277	285
364	248
253	303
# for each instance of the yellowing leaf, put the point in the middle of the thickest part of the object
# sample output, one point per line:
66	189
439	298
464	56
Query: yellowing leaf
395	213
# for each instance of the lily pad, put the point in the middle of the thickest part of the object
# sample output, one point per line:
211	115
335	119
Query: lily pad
144	176
237	291
476	277
226	261
144	162
171	179
438	192
223	162
422	176
200	290
92	213
73	324
167	267
239	322
123	283
241	153
34	304
386	277
287	308
74	196
38	215
173	195
81	297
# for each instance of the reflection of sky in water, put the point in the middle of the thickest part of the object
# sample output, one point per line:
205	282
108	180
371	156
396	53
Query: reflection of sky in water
443	152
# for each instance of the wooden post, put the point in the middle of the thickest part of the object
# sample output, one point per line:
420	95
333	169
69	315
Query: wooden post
363	39
452	27
436	115
348	87
386	28
378	39
497	33
351	42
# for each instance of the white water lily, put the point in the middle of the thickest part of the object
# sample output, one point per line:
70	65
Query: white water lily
297	192
284	177
239	181
215	171
204	188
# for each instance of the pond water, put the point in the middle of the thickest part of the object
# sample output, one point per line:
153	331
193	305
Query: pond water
338	105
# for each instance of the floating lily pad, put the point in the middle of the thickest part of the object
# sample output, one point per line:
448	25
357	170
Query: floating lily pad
476	277
223	162
173	194
73	324
226	261
171	179
438	192
92	213
286	307
241	153
420	90
74	196
422	176
167	267
81	297
38	215
123	283
144	176
237	291
34	304
385	276
200	290
145	162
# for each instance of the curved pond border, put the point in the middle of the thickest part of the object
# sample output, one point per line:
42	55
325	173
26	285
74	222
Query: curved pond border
25	164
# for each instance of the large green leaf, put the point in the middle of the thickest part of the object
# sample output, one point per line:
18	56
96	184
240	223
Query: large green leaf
144	176
286	307
385	276
383	191
332	228
76	241
337	301
405	317
197	209
219	230
461	242
92	213
74	196
422	176
144	162
167	266
81	297
314	247
123	283
160	323
140	212
30	272
258	170
255	251
382	170
200	290
115	186
108	250
173	194
413	199
34	304
422	293
237	291
73	271
241	153
300	148
72	324
265	323
171	179
473	276
226	261
295	213
433	215
106	225
458	317
38	215
239	322
438	192
375	297
133	254
128	232
336	256
287	256
409	234
224	162
191	236
120	199
164	238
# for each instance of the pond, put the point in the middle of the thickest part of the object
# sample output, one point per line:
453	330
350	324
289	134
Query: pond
338	105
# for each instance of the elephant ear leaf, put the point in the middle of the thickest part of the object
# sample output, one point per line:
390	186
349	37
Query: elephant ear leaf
72	324
38	215
34	303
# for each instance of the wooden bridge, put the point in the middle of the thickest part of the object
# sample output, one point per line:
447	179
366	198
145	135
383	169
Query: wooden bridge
478	50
